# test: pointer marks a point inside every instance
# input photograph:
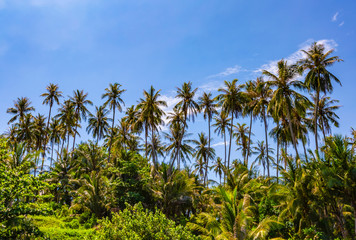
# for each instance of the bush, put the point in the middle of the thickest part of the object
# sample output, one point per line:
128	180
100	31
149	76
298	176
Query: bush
137	223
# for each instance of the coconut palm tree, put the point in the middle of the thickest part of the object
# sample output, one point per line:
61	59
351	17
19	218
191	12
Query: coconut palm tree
218	168
203	153
242	139
318	77
221	125
39	127
55	130
285	95
21	107
208	106
326	114
66	116
150	114
79	101
98	123
189	107
262	157
231	100
24	130
156	147
113	99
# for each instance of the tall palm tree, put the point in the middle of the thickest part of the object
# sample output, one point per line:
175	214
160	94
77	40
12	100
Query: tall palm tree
262	157
55	130
66	116
21	107
113	99
231	99
156	147
284	95
189	107
151	115
79	101
319	78
221	125
98	123
208	106
203	152
24	130
326	113
177	145
39	124
218	168
242	140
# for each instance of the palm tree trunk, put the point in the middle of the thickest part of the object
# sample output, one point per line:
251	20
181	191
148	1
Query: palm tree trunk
249	140
277	153
153	149
286	154
75	132
52	145
232	124
45	138
266	136
146	136
305	150
316	119
68	141
292	133
59	143
176	157
225	156
322	126
112	132
207	159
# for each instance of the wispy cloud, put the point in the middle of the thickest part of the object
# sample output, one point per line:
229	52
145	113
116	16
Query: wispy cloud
342	23
334	18
219	144
228	71
271	66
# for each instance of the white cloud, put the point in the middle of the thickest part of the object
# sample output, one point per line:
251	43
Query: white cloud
294	57
211	86
220	144
334	18
342	23
228	71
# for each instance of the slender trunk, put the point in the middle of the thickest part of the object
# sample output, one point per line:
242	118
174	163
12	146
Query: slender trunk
305	150
277	154
146	136
292	133
225	156
316	119
58	145
176	157
232	124
68	142
266	135
75	132
153	149
207	159
286	155
52	146
323	129
112	132
249	140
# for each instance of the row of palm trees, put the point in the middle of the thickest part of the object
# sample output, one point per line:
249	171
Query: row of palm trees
280	98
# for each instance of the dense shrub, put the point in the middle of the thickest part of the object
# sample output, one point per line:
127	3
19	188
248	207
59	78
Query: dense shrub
137	223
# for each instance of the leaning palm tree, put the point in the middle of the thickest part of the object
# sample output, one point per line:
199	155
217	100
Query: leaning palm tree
21	107
285	94
189	107
319	78
113	99
150	114
203	153
208	106
221	125
231	100
79	101
98	123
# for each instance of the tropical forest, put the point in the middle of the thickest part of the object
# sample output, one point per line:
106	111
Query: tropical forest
139	172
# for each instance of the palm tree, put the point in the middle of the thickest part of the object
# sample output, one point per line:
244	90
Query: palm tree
203	153
262	157
326	114
155	147
319	78
24	130
67	120
208	106
284	95
151	114
21	107
218	168
189	107
231	100
98	123
79	101
221	125
114	100
55	130
242	140
178	145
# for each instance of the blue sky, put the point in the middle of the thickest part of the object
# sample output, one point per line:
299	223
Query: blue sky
83	44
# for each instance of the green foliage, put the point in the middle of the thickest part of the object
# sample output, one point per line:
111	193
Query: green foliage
137	223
